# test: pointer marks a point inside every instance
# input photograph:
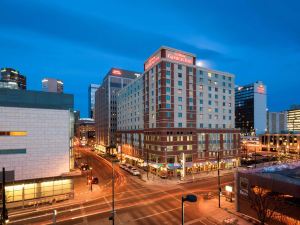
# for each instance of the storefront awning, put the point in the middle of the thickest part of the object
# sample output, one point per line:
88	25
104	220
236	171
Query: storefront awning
173	166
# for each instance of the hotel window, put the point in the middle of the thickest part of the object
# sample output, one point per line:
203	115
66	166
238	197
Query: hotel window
168	73
180	67
216	110
216	89
168	106
201	125
201	109
216	75
216	96
168	81
209	125
200	72
229	91
223	77
200	87
179	75
168	64
179	107
209	102
180	147
168	97
209	88
168	89
179	83
180	115
201	94
201	101
191	116
190	99
209	95
179	124
179	99
209	74
224	84
168	114
201	79
169	148
210	116
189	147
190	69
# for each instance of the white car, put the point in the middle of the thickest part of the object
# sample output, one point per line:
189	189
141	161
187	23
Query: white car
123	166
134	172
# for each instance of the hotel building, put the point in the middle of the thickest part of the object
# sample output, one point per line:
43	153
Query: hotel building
276	122
35	144
251	108
106	107
178	115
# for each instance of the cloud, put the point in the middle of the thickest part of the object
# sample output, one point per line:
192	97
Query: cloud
98	34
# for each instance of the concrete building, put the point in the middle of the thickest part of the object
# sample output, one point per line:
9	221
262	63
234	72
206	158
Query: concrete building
35	144
293	119
258	189
276	122
91	99
12	75
251	108
52	85
106	107
178	115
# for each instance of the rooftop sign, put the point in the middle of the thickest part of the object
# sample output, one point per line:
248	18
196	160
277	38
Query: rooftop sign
154	59
116	72
179	57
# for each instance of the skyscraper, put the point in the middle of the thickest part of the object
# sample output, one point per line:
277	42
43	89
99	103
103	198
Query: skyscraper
276	122
293	119
251	108
12	75
91	99
52	85
106	106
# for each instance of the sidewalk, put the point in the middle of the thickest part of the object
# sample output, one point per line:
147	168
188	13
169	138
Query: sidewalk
224	215
156	180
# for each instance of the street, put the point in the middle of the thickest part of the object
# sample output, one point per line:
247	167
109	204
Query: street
135	201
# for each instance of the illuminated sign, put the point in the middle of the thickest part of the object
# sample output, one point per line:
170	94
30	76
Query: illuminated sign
116	72
154	59
177	56
261	89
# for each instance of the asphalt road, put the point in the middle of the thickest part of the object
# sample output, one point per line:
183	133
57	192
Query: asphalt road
135	201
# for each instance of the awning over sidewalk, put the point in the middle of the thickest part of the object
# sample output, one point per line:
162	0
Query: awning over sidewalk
173	166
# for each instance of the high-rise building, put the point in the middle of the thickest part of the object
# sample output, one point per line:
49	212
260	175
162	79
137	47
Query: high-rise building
36	133
178	116
276	122
251	108
293	119
91	99
106	107
52	85
12	75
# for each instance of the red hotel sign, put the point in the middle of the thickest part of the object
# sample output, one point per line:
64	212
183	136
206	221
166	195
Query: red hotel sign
261	89
116	72
176	56
154	59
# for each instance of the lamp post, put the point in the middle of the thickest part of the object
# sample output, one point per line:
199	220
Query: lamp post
4	214
188	198
219	182
112	217
147	157
91	179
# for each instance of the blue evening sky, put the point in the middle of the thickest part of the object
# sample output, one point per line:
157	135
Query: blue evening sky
79	41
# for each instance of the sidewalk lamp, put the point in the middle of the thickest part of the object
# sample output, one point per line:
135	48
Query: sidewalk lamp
228	190
188	198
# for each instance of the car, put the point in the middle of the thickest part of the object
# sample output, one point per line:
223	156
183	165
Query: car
84	167
95	180
128	168
134	172
122	165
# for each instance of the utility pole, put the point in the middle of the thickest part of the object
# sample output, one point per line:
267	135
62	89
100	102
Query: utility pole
219	183
147	157
4	214
112	217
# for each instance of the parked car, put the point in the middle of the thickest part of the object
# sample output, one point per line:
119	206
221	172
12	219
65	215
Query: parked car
122	165
95	180
84	167
128	168
134	172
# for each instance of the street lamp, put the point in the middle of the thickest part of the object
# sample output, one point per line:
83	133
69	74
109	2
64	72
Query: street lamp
112	217
188	198
91	180
4	215
219	182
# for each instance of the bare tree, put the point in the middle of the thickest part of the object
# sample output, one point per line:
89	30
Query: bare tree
265	203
